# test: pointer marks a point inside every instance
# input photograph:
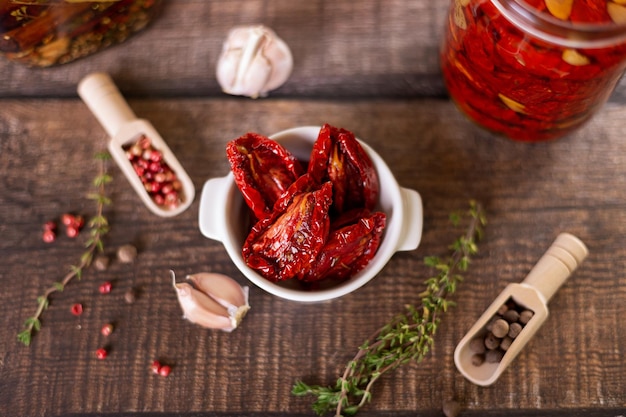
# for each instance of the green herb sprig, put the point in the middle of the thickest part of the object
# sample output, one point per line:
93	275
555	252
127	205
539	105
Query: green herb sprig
409	336
98	227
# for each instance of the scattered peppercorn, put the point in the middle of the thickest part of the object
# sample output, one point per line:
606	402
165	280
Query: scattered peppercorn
165	370
49	231
71	232
130	296
107	329
451	408
49	236
157	368
101	262
67	219
101	353
77	309
126	253
73	224
105	287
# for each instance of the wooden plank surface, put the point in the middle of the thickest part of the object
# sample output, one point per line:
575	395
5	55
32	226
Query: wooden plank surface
341	48
531	193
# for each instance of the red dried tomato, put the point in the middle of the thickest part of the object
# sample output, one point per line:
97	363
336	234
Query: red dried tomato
282	245
516	84
292	236
348	249
339	158
263	170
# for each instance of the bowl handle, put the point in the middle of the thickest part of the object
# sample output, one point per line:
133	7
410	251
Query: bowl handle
413	220
212	217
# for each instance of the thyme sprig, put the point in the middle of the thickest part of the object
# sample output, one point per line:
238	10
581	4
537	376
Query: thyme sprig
408	336
98	227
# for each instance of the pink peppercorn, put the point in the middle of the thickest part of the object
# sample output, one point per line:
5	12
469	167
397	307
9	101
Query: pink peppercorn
77	309
107	329
105	287
165	371
49	236
101	353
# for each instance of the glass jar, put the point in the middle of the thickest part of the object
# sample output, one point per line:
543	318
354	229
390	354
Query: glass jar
533	70
48	32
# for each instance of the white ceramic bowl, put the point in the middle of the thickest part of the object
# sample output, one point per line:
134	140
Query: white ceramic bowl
223	217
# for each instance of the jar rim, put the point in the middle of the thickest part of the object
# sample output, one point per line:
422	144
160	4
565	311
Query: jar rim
561	32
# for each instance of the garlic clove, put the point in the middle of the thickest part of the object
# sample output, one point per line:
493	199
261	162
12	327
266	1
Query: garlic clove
253	61
215	301
225	291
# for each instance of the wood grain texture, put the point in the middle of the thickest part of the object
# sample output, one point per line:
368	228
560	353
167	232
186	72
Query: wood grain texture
531	193
341	48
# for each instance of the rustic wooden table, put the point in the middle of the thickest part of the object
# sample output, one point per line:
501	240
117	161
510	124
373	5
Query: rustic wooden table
369	66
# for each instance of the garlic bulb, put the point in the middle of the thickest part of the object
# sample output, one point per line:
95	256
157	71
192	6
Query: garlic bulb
214	301
254	61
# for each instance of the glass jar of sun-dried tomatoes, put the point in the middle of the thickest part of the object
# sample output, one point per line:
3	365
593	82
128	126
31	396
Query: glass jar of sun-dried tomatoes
42	33
537	69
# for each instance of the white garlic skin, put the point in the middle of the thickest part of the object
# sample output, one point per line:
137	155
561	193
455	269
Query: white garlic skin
254	61
225	291
215	301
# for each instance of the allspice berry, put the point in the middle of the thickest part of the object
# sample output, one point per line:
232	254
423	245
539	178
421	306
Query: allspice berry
491	342
494	356
477	345
130	296
101	262
514	330
478	359
451	408
500	328
506	343
126	253
525	316
511	316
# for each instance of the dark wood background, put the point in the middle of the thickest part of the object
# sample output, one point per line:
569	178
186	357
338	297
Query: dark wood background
369	66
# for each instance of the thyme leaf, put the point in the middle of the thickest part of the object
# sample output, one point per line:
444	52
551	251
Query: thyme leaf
409	336
98	228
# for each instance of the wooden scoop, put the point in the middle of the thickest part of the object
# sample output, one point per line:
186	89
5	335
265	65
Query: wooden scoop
108	105
552	270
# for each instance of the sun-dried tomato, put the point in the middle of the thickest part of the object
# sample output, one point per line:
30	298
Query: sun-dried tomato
348	249
263	170
296	211
287	242
339	158
518	85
